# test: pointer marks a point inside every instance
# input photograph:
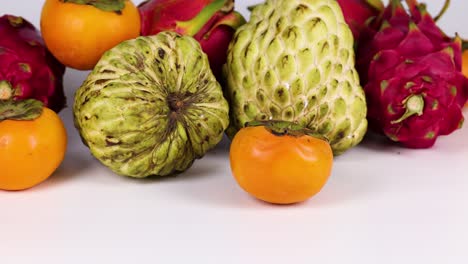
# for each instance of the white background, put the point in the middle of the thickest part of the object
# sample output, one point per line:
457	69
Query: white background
382	204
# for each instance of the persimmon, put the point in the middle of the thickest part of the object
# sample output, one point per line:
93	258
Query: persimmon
465	64
280	162
32	145
78	32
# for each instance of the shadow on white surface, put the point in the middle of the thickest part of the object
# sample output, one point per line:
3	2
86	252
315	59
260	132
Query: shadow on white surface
74	165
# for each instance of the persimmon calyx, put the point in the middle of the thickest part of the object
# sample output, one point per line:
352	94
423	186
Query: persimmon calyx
104	5
28	109
283	128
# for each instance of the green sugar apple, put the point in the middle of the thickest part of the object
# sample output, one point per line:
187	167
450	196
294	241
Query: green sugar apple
151	106
294	61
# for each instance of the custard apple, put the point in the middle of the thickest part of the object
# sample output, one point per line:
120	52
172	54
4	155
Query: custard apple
294	61
151	106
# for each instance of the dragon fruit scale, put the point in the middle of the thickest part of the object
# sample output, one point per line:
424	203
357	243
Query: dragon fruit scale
357	12
411	73
211	22
27	68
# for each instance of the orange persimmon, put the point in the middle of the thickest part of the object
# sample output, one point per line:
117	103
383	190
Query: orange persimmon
78	32
278	163
31	150
465	66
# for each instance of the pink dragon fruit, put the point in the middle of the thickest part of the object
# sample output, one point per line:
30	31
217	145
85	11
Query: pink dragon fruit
211	22
411	73
357	12
27	68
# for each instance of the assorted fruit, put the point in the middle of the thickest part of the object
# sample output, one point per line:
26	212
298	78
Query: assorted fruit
211	22
294	61
295	85
32	135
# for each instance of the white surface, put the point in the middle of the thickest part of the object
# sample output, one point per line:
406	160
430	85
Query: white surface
383	204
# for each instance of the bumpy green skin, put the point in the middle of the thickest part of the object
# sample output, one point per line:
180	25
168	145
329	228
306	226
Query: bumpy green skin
151	106
294	61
